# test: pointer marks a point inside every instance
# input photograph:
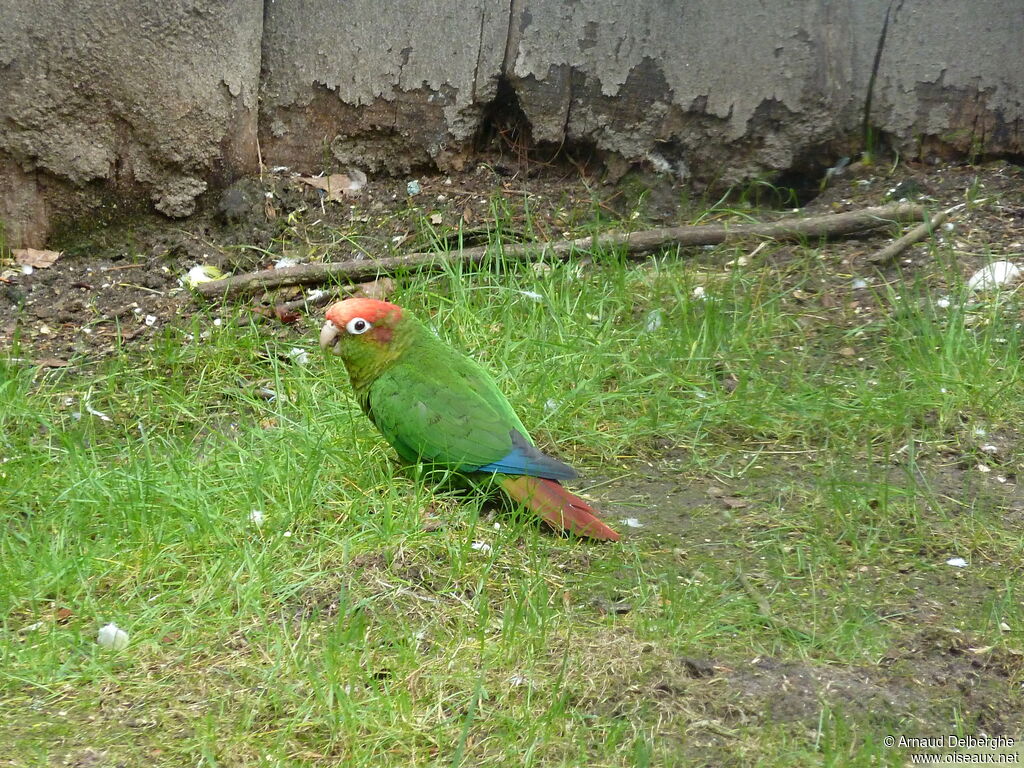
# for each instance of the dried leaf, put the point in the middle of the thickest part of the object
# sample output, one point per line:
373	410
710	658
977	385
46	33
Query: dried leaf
375	289
63	615
338	186
52	362
30	257
286	315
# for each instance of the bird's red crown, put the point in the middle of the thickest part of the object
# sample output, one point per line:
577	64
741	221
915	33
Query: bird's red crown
371	310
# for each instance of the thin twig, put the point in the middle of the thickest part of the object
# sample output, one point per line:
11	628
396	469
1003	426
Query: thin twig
634	243
762	604
918	233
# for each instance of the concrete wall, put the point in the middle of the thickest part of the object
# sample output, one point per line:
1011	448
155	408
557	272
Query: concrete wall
148	104
110	103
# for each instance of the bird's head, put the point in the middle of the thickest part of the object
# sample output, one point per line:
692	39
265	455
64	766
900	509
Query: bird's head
357	327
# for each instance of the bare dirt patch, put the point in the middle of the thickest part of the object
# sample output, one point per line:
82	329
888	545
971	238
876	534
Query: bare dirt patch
122	283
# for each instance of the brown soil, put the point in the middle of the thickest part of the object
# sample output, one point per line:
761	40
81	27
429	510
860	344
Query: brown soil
120	285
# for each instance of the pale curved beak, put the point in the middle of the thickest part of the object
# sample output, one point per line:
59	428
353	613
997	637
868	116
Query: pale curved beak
330	338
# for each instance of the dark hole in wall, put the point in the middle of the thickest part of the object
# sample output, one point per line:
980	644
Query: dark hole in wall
793	188
801	183
504	126
505	131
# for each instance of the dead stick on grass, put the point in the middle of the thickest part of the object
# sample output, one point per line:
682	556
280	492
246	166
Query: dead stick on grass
763	609
762	604
634	243
918	233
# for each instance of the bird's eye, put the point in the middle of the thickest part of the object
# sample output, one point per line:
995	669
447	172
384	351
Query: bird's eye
357	325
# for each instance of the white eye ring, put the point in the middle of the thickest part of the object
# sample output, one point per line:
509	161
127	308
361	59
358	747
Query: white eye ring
357	325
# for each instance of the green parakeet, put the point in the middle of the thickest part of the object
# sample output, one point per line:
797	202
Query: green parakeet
435	405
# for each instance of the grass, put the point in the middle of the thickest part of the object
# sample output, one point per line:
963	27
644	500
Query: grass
342	631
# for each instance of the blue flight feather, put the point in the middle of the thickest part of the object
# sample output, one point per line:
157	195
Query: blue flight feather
526	459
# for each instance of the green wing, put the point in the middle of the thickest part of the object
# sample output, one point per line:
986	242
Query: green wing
445	409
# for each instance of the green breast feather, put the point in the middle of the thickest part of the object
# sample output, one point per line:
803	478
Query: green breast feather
439	406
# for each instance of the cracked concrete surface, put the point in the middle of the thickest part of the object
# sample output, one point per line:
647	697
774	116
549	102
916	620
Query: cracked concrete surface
119	103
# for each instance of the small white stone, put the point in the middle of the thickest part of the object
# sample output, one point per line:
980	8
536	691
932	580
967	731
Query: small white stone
957	562
298	355
859	283
150	320
983	469
480	546
287	534
654	319
531	295
218	322
98	414
113	637
995	275
942	303
698	292
202	273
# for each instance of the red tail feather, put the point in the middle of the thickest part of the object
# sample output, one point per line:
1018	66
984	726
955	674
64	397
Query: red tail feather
557	507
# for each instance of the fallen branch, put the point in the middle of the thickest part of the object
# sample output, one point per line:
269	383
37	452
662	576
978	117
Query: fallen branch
289	311
918	233
634	243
